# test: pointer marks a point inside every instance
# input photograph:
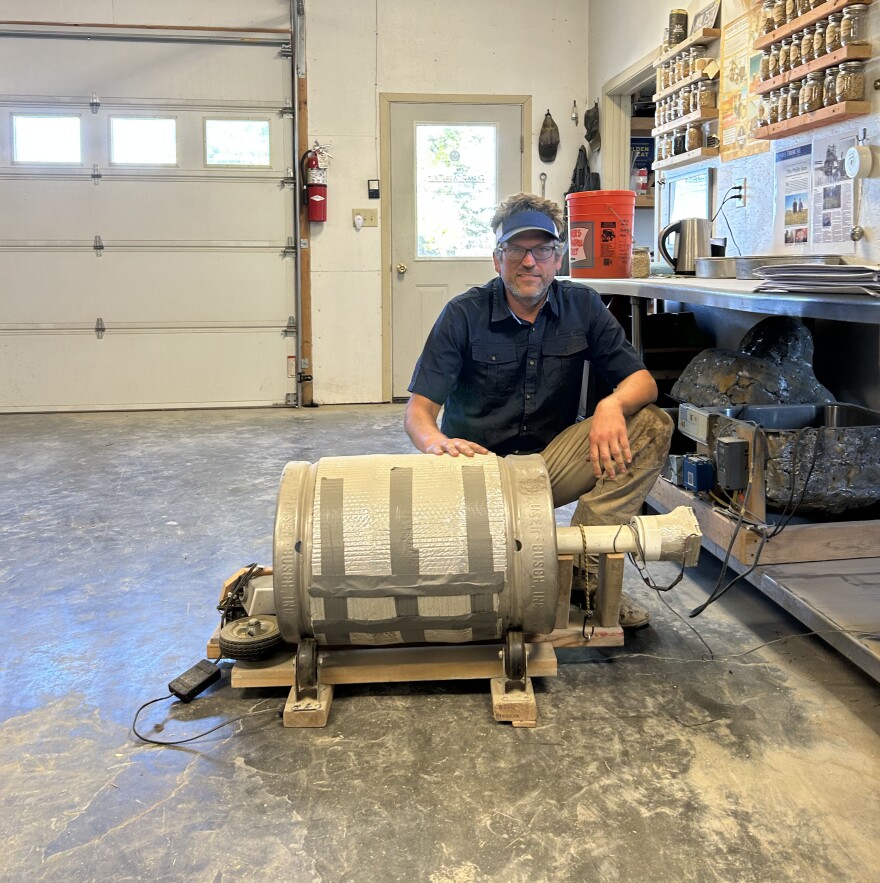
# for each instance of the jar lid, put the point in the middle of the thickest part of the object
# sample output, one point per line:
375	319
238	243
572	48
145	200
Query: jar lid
852	66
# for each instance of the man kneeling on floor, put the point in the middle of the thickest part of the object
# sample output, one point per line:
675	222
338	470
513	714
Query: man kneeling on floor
505	360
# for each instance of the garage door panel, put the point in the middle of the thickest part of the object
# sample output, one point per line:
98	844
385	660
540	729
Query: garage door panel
30	66
219	211
143	370
52	288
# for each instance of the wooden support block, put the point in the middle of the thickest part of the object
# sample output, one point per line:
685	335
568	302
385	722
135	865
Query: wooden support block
578	634
308	712
377	665
213	649
563	599
610	574
516	706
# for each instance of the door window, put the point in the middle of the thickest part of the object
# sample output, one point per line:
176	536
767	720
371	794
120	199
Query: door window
46	139
456	190
147	141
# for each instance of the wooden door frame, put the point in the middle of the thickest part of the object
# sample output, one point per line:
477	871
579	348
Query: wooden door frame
386	100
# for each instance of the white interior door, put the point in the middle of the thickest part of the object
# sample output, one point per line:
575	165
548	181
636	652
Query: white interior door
451	164
142	251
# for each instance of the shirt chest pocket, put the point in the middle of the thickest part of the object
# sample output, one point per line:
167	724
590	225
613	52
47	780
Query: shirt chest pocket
563	358
495	367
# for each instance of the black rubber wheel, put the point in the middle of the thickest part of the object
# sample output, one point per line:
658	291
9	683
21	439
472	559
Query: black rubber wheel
252	637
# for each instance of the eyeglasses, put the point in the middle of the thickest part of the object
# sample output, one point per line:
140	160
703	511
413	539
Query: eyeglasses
540	253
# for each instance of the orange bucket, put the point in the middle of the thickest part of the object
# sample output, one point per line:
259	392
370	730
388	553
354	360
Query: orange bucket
600	224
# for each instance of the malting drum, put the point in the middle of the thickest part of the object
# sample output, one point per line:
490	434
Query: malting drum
413	548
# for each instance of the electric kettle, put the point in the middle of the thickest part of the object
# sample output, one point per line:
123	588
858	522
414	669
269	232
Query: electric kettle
691	242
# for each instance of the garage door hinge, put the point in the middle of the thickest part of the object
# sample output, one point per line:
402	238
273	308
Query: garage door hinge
100	328
304	378
289	179
96	175
287	110
98	246
286	50
290	328
95	102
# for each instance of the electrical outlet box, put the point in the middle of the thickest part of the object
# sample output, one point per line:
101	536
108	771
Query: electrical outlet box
370	216
732	462
739	198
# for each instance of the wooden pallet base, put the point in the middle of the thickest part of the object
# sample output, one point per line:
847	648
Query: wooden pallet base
368	665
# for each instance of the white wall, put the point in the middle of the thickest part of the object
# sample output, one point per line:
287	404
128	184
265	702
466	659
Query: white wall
357	50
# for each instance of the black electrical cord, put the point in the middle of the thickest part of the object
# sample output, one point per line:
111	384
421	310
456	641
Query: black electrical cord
190	738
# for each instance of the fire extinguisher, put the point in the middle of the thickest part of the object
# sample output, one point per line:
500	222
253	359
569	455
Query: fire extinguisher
313	169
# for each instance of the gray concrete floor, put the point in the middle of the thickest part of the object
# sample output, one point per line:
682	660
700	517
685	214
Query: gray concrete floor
651	762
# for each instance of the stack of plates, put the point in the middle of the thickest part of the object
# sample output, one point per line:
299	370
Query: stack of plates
820	279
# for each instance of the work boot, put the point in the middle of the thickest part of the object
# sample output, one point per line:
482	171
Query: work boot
583	593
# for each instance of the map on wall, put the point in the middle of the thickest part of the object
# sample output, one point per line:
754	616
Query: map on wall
738	109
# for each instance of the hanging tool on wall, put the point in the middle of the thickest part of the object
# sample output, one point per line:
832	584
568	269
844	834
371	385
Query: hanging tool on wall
548	140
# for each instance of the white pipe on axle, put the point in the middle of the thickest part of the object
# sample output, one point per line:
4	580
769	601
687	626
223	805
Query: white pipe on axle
675	536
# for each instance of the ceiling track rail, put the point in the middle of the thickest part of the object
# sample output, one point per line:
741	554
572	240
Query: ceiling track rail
145	33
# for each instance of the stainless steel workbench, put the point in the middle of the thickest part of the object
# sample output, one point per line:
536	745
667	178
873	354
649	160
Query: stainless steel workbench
839	599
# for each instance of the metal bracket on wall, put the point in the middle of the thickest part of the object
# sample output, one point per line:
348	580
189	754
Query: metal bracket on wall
286	50
289	179
96	175
287	110
290	328
98	246
289	250
95	102
100	328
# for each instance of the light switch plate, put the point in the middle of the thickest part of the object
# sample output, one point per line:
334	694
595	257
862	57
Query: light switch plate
370	216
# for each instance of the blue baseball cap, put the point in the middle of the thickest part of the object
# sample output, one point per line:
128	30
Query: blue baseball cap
522	222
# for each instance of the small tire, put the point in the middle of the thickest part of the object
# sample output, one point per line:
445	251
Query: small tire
237	643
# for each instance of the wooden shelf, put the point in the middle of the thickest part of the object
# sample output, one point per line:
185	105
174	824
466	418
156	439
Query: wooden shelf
845	53
836	113
704	115
683	83
803	21
684	158
703	37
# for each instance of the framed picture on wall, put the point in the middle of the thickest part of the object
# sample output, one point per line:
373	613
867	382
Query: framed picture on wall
706	17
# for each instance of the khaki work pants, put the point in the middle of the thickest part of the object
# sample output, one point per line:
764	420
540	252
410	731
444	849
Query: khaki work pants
608	500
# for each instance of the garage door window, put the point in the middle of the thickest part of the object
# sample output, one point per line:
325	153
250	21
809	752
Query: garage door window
143	141
237	143
46	139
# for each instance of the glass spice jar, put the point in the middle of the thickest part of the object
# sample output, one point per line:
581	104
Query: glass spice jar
698	58
812	92
773	107
794	51
641	262
819	39
779	17
815	3
705	95
761	116
829	87
790	10
678	142
667	74
794	98
773	62
679	74
803	6
850	83
693	137
685	102
685	64
768	23
806	45
854	25
764	65
784	50
832	33
782	104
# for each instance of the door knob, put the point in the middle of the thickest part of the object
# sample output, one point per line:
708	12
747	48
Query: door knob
401	268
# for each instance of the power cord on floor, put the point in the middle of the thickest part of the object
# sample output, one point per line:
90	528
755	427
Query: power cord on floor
225	723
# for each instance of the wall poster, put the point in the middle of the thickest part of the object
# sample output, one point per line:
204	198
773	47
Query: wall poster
739	68
833	197
791	230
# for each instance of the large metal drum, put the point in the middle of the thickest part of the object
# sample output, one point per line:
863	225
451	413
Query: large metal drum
414	548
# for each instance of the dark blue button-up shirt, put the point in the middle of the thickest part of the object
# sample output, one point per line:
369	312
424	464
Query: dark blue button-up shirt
513	386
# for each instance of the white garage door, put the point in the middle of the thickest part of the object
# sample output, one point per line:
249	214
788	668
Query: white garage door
144	219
